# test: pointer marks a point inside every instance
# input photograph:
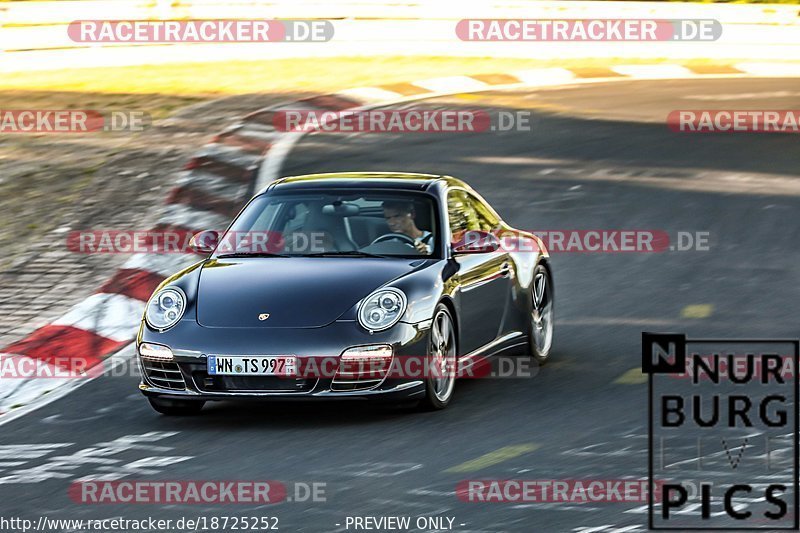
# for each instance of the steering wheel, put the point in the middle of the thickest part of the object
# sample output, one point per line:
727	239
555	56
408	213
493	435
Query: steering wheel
395	236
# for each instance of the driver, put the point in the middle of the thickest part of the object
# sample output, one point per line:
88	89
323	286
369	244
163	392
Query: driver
399	216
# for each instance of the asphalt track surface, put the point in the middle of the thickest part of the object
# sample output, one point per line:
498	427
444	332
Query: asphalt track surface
612	170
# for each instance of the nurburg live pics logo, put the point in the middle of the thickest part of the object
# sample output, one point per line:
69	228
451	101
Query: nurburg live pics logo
722	432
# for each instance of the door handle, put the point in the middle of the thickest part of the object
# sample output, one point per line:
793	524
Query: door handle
505	269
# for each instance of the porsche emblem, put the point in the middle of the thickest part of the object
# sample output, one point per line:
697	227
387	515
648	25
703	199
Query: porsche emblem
263	316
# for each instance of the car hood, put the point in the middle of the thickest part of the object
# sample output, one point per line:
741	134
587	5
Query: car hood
295	292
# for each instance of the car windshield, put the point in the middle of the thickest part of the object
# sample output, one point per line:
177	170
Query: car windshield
323	223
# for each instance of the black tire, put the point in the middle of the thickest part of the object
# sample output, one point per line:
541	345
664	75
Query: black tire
544	312
176	407
436	395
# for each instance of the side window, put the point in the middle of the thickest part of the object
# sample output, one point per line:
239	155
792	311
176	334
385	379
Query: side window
462	214
487	221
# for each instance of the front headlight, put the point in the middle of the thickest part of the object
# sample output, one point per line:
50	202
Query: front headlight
165	308
382	309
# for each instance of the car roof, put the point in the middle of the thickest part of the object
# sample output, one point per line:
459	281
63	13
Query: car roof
371	180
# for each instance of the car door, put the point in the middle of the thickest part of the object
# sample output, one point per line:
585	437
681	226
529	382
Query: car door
483	277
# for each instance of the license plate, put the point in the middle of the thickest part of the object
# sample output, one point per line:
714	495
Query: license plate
251	365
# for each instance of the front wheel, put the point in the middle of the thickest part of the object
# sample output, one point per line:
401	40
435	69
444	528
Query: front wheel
441	373
540	335
176	407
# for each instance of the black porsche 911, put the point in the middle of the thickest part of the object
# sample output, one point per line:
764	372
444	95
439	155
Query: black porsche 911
346	286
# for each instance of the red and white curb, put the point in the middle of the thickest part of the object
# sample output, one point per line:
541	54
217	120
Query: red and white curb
224	174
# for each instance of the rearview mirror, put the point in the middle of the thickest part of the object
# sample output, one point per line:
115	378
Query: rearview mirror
476	242
204	242
342	209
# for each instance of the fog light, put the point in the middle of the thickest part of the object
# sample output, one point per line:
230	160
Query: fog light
155	352
365	362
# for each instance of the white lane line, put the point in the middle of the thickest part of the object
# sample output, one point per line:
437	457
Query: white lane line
452	84
655	71
518	160
544	76
758	68
369	95
29	451
742	96
113	316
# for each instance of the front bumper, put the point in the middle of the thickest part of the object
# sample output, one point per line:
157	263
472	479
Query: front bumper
409	390
186	378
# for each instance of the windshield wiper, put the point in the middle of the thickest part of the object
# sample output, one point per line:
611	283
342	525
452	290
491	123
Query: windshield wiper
250	254
347	253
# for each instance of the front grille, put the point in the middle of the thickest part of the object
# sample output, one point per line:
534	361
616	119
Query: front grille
164	374
207	383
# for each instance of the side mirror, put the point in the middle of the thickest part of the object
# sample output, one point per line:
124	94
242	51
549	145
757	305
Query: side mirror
476	242
204	242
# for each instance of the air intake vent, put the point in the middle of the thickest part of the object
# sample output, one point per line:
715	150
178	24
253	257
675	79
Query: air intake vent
163	374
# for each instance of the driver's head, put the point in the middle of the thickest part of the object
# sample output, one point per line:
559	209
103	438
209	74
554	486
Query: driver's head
400	216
